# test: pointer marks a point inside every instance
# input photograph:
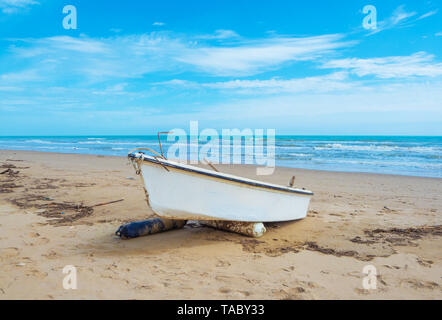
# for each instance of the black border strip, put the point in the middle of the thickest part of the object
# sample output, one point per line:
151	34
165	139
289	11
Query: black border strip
215	175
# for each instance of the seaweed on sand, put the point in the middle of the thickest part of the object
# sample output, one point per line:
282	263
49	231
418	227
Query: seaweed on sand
59	212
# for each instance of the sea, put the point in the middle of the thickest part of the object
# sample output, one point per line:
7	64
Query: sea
403	155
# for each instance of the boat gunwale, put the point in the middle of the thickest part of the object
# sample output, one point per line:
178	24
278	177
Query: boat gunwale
219	175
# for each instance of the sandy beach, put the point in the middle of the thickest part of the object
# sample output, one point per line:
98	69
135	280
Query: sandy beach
47	221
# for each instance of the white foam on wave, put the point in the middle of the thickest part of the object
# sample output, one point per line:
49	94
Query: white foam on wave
38	141
291	147
391	164
300	154
376	148
136	143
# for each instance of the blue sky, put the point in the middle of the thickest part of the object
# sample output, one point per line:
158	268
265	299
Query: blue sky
301	67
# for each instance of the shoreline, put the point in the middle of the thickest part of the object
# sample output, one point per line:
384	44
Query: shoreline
222	165
392	222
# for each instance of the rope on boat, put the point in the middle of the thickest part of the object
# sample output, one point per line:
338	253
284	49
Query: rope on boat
148	149
211	165
138	167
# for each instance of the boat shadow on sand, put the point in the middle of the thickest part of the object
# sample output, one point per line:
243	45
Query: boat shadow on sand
192	235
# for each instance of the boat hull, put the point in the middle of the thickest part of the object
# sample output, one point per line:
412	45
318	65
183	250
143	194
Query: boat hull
178	192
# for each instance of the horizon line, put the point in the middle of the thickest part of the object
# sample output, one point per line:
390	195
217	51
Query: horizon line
298	135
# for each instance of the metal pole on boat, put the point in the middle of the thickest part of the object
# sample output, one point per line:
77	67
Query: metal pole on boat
292	182
159	141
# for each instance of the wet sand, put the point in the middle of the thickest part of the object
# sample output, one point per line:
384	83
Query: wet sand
48	220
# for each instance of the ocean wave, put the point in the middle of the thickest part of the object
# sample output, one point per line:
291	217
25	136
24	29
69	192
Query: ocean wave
292	147
397	164
300	154
93	142
401	155
38	141
74	148
135	143
372	147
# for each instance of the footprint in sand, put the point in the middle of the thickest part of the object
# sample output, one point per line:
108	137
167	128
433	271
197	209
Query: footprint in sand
39	241
9	252
145	287
245	293
299	290
222	278
416	284
34	234
36	273
425	263
50	255
355	274
362	291
224	290
239	294
291	294
223	263
309	284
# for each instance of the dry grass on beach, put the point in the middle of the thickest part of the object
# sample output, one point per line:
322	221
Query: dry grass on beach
48	219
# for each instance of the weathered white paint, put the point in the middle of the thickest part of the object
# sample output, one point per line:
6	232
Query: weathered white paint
181	194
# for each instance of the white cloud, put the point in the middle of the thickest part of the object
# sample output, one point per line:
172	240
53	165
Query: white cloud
21	77
118	88
400	15
401	18
178	82
220	34
98	59
14	6
418	64
85	45
159	24
428	14
10	88
292	111
438	34
99	68
379	98
260	55
326	83
132	56
398	18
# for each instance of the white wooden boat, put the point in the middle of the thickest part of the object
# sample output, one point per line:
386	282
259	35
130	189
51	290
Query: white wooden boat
180	191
